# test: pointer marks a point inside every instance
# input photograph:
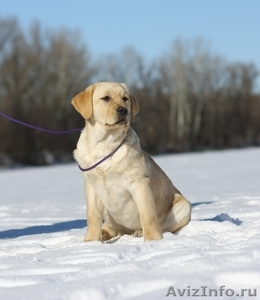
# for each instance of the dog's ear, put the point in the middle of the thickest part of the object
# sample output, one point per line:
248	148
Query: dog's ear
134	107
83	102
134	103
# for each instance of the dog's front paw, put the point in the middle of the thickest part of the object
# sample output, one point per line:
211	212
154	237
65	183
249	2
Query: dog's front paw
138	233
91	239
153	236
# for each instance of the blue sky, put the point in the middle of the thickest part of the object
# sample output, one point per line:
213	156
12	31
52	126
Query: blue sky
231	26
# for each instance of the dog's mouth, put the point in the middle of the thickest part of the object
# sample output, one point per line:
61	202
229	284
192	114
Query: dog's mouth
119	122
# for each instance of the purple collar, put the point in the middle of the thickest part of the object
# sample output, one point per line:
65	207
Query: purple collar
102	160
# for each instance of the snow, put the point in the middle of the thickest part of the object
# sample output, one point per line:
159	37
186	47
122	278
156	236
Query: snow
43	256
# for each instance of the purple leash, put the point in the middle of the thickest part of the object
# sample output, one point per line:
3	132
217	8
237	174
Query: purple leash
62	132
39	128
102	160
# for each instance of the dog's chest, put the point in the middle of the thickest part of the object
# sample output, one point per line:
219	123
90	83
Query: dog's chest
113	192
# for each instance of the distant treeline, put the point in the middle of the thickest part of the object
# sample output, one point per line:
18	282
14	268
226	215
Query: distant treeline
190	98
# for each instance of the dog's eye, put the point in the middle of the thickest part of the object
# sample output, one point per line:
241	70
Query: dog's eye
125	98
106	98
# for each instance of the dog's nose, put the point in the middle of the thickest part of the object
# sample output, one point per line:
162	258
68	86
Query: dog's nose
122	111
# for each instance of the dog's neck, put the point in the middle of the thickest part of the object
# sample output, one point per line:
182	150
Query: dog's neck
98	134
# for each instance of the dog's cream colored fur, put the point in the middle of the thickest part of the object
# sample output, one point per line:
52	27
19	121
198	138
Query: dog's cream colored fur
128	191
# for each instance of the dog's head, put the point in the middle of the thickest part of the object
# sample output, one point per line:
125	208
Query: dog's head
108	103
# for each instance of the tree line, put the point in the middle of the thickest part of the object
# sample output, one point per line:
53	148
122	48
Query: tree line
190	98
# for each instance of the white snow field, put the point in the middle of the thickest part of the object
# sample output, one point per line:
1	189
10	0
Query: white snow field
42	227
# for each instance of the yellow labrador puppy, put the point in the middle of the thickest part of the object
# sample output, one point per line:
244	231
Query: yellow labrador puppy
124	186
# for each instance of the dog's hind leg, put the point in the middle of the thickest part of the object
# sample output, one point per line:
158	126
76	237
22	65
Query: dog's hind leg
111	229
178	216
108	234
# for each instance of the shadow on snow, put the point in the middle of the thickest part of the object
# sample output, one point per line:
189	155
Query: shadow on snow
40	229
224	217
200	203
219	218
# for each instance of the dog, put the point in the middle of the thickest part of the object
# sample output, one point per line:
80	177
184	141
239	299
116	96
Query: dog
126	191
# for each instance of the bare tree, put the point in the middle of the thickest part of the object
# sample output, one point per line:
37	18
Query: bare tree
42	72
190	74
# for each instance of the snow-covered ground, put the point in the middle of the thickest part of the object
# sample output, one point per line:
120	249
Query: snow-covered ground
42	225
